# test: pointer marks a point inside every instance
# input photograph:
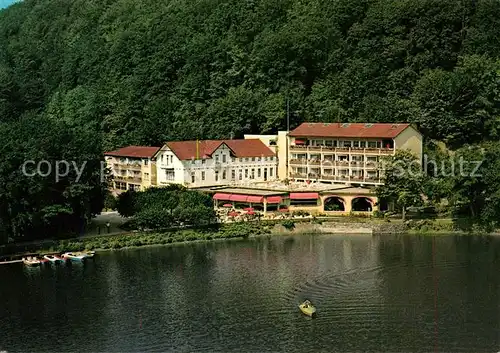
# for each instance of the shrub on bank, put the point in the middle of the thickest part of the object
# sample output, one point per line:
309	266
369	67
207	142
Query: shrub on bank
288	224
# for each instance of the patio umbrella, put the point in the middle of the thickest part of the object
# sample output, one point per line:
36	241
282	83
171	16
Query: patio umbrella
227	205
249	209
283	210
233	214
251	212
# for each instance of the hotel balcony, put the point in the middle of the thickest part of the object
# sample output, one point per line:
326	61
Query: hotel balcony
127	178
326	163
353	150
298	161
343	178
128	166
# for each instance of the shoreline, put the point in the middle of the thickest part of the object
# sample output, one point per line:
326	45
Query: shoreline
237	230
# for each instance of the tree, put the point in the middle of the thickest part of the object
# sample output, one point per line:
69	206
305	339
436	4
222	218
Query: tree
403	181
476	187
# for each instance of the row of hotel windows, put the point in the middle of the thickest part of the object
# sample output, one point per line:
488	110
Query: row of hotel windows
336	172
303	156
354	144
249	173
123	186
170	159
248	159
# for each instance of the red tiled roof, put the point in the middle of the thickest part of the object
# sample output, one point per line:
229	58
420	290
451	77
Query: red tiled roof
249	148
134	151
185	150
361	130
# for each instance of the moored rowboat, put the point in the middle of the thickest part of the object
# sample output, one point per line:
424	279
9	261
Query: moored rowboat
31	261
74	256
53	258
90	254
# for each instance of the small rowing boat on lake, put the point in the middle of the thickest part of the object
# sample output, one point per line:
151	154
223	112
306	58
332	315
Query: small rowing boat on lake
307	308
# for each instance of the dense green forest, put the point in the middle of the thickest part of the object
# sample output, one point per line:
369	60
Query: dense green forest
82	76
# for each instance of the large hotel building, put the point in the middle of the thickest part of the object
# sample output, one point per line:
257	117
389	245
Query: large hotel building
327	167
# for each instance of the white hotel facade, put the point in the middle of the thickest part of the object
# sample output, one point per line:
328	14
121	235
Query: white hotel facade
215	162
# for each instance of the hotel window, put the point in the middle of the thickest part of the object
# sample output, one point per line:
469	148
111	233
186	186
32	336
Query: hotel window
169	175
240	176
372	144
171	159
347	144
193	161
246	173
161	158
258	159
252	176
146	176
329	143
271	158
362	144
224	159
192	177
271	172
246	159
224	174
216	176
203	161
146	162
123	160
355	144
335	143
258	173
233	174
202	175
216	158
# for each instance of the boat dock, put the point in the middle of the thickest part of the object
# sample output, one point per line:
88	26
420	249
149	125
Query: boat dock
6	262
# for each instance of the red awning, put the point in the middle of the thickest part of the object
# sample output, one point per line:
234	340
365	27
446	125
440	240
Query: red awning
299	142
255	199
274	199
220	196
238	198
304	196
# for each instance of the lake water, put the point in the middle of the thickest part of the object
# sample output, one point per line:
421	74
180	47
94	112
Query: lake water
373	294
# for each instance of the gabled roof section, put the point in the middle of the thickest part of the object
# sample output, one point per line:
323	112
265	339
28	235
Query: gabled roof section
249	148
358	130
186	150
134	152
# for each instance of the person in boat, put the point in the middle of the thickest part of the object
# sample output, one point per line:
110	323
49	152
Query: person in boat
307	303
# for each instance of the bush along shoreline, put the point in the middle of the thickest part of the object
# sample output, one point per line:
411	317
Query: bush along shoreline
240	230
139	239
